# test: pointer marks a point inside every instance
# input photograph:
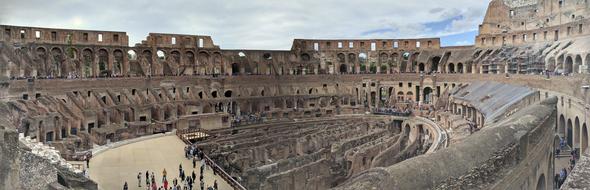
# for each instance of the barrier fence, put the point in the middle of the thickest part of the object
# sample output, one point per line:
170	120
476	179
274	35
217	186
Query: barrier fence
183	134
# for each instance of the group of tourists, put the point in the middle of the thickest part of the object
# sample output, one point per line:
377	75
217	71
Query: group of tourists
185	181
394	111
246	119
563	173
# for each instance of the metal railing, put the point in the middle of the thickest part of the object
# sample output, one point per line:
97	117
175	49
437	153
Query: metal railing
182	134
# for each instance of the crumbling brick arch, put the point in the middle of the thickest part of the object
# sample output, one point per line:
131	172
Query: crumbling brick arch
175	55
190	58
103	62
87	62
118	62
57	66
218	63
434	63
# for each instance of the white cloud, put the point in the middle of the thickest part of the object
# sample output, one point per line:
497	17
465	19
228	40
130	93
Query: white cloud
251	24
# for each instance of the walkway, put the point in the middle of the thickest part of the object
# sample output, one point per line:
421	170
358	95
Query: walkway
112	168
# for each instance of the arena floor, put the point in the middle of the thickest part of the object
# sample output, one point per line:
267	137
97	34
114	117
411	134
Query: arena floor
112	168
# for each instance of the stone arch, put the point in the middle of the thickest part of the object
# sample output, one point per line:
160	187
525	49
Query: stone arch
550	66
451	67
576	137
400	96
217	63
587	64
175	55
421	67
570	133
235	68
584	138
132	55
103	61
577	64
459	67
343	68
203	58
409	96
434	63
427	93
541	184
118	62
561	126
305	57
190	57
56	66
383	58
161	54
87	65
351	58
568	65
341	58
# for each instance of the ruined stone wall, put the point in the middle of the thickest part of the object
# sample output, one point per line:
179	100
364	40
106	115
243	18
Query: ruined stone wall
476	161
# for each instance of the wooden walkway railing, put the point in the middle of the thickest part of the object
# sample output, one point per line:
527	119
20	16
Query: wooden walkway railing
184	135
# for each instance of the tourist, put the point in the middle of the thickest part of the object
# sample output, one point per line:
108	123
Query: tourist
194	175
556	179
215	184
139	179
194	162
154	186
165	184
125	186
164	175
147	178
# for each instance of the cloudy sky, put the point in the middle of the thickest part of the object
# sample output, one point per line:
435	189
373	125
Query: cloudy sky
258	24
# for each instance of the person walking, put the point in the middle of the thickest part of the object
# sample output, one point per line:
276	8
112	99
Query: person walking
139	179
215	184
147	178
164	175
125	187
194	175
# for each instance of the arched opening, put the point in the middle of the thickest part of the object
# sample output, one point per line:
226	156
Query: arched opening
460	68
228	94
235	69
131	55
57	62
305	57
584	136
343	68
570	133
541	182
161	55
87	65
427	95
421	67
576	133
118	62
103	61
451	68
434	64
409	96
577	64
400	96
569	65
561	126
551	64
